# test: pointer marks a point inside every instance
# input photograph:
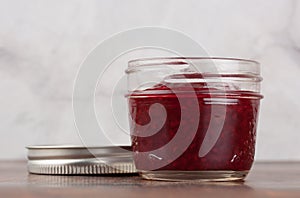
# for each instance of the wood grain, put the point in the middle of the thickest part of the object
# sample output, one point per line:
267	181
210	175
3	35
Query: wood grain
268	179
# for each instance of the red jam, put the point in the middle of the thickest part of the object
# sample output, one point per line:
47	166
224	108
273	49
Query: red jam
236	110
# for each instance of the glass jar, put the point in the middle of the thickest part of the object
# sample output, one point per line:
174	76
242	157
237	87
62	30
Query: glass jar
193	118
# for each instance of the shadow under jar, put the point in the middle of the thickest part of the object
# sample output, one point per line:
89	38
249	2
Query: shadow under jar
193	118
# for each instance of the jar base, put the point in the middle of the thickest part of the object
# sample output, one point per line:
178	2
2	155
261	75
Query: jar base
201	176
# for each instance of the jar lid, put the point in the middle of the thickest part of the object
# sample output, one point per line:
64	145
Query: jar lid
78	160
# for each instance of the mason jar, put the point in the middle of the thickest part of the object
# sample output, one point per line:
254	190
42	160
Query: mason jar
193	118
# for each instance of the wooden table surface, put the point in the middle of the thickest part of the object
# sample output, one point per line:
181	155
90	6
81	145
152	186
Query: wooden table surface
269	179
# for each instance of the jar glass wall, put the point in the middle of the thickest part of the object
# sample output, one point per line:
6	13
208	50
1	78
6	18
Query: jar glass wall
193	118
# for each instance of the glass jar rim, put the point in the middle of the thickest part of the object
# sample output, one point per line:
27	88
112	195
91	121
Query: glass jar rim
212	71
147	62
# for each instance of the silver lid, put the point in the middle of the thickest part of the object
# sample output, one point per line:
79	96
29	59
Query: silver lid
78	160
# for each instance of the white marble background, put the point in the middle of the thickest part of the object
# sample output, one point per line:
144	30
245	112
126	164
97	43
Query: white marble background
42	44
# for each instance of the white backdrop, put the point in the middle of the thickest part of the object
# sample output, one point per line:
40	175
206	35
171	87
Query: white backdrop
42	44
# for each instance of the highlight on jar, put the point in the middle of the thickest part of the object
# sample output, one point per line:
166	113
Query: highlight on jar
193	118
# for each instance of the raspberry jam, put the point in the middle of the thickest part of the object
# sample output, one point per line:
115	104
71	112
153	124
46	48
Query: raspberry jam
223	140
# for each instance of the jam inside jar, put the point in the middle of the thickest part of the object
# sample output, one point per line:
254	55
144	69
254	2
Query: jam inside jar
193	118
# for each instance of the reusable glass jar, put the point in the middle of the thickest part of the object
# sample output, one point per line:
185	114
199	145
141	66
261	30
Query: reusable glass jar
193	118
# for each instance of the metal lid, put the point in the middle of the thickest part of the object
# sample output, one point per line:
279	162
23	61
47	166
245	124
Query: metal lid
78	160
